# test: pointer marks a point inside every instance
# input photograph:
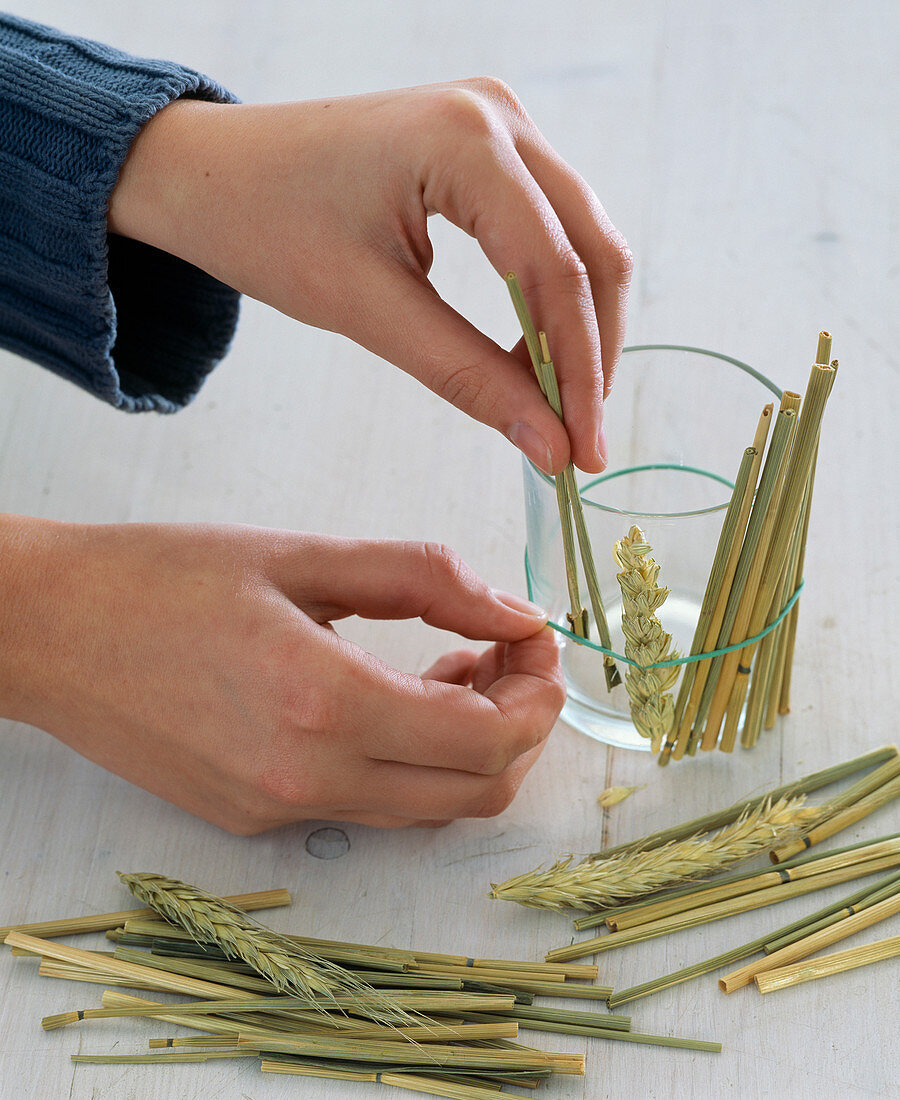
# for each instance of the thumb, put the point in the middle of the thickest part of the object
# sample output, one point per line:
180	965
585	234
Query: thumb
379	579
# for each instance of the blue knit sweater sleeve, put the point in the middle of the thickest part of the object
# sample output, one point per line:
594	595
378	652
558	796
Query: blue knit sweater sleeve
133	325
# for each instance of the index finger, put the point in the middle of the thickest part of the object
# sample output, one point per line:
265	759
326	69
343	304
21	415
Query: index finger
599	244
491	194
595	240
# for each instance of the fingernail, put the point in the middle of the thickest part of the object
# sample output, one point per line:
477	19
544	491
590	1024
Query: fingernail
532	444
602	446
518	603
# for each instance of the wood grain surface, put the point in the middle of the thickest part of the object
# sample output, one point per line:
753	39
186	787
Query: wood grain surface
746	152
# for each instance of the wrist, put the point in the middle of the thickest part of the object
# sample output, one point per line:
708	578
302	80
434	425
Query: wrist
153	200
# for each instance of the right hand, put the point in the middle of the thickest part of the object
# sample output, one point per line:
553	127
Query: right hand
321	209
199	663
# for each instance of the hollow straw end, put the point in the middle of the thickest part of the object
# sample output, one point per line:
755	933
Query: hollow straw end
578	624
611	671
794	848
62	1019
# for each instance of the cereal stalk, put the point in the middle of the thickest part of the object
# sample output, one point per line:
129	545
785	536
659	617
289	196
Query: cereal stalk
646	643
594	883
209	919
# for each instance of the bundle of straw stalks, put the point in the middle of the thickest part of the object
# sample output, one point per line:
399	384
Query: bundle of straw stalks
757	569
422	1021
666	907
619	877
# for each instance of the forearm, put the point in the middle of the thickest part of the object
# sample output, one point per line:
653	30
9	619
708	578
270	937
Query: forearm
27	572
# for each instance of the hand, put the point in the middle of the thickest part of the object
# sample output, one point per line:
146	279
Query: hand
199	663
320	209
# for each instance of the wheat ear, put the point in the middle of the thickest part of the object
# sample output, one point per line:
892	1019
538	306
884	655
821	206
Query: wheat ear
646	643
290	968
598	883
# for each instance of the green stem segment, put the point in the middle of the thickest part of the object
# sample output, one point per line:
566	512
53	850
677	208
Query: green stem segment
567	496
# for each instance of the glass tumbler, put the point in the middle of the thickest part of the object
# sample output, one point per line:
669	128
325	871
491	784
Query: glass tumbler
678	420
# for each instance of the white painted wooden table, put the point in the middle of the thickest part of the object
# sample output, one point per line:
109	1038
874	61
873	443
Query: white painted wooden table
745	151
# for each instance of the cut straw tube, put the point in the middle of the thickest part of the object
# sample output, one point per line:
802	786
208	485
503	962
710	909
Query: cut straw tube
571	990
598	1031
718	910
789	631
53	968
788	516
218	1024
853	813
567	494
452	1090
763	690
721	575
195	968
524	1058
823	347
810	944
751	883
809	971
300	1069
792	579
833	913
491	974
805	785
143	1059
428	1032
103	964
758	528
101	922
785	634
584	543
884	888
698	704
530	1016
870	783
760	687
577	615
211	1041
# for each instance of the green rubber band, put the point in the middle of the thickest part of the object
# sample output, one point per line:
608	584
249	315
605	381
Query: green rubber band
745	367
691	658
676	466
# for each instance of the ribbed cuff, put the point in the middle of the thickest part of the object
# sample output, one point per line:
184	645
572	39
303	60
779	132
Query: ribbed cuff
135	326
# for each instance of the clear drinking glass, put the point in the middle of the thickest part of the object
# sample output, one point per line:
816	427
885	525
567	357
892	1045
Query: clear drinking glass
677	422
